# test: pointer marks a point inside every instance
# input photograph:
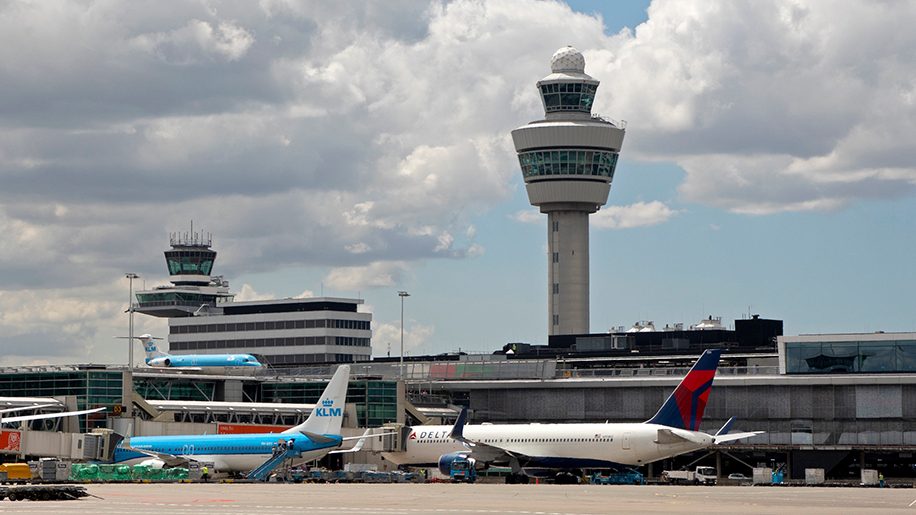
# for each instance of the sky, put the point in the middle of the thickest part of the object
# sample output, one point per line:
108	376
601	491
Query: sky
355	149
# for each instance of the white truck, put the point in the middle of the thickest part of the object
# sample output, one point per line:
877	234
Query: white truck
702	475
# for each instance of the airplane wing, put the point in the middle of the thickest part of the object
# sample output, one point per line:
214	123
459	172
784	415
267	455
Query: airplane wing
482	451
673	435
23	408
170	460
736	436
40	416
722	435
360	440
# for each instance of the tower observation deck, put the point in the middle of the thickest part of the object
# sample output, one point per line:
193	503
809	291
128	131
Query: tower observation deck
568	161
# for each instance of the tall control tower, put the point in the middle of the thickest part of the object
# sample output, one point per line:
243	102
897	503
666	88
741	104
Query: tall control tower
568	162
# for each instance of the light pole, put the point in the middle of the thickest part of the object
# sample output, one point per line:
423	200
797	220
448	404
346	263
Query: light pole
130	310
402	294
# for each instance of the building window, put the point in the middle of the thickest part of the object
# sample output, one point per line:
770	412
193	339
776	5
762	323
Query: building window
556	288
556	257
556	320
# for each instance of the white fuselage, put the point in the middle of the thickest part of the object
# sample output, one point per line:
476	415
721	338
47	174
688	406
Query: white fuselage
625	444
233	462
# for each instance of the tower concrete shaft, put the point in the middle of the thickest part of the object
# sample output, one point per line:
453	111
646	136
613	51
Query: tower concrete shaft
568	161
567	248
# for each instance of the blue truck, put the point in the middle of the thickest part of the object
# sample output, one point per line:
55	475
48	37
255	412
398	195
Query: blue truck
621	477
462	470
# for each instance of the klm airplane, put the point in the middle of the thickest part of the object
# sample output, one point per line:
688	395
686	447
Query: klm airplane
313	439
157	358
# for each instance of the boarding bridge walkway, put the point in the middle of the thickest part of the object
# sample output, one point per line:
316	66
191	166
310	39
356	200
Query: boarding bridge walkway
263	471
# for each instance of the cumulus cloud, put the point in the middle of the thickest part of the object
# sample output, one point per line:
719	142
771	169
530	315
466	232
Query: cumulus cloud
528	216
248	293
639	214
381	129
613	217
68	325
387	333
378	274
788	106
196	40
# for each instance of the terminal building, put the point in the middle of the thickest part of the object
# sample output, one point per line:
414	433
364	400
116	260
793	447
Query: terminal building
840	419
205	319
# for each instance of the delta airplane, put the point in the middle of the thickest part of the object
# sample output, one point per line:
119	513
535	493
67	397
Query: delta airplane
541	449
313	439
158	359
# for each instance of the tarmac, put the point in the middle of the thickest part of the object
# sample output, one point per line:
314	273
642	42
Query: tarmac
465	499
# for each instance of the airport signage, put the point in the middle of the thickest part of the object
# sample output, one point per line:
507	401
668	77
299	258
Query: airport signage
10	440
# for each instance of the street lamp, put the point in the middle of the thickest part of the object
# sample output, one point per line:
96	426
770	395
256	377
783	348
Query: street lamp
127	381
130	331
402	294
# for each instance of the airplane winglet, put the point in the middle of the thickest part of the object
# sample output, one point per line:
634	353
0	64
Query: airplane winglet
726	427
457	432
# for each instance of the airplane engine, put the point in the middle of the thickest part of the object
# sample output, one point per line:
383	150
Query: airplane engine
167	362
447	460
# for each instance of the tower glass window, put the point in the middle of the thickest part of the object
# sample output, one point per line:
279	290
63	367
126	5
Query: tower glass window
193	262
568	162
568	96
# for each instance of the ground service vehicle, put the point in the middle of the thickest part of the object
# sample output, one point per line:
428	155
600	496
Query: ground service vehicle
16	472
702	475
462	470
624	477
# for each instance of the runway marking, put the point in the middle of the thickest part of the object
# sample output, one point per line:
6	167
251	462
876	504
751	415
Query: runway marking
339	509
912	503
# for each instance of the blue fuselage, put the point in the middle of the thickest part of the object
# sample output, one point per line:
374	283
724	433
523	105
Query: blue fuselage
228	452
204	360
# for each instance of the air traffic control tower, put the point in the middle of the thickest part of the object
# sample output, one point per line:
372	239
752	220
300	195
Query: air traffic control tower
193	291
568	162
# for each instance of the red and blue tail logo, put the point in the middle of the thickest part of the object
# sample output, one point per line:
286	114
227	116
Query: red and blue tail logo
684	407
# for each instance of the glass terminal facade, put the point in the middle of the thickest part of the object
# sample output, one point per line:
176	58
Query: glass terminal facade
851	357
92	389
568	162
376	401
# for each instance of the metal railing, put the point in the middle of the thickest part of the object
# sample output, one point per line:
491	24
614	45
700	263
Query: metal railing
497	370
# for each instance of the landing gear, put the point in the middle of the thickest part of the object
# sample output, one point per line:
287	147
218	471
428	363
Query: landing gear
566	478
517	479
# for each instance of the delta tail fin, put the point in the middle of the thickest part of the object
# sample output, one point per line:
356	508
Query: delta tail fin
327	415
684	407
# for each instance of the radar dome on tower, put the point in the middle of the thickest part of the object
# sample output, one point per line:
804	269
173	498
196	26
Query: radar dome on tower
567	59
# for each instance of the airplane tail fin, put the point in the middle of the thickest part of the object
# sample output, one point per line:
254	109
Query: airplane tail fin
684	407
149	346
327	415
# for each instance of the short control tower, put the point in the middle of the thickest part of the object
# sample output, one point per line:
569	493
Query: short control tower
193	290
568	162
